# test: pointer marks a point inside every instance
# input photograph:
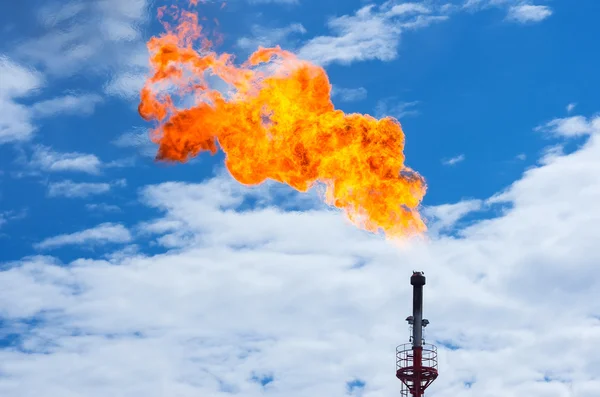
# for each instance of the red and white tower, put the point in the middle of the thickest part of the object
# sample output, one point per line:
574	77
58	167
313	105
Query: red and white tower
416	362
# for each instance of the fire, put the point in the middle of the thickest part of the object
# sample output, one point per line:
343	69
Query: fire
275	120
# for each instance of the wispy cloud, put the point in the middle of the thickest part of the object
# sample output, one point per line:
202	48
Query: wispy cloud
17	82
571	126
273	1
6	216
92	36
445	216
349	94
517	10
138	139
82	104
526	13
373	32
126	85
17	121
102	207
571	107
395	108
70	189
104	233
269	37
454	160
46	159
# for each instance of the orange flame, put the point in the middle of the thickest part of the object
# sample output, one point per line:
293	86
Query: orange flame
274	119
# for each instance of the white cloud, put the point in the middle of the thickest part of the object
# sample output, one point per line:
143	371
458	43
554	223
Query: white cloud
525	13
16	119
445	216
104	233
102	207
314	302
371	33
482	4
374	31
395	108
46	159
274	1
138	139
53	14
96	36
571	107
349	94
121	163
7	216
422	21
70	189
454	160
406	8
265	37
126	85
83	104
93	36
15	122
17	82
517	10
571	126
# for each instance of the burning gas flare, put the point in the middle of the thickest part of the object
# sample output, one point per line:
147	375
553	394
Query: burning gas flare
275	120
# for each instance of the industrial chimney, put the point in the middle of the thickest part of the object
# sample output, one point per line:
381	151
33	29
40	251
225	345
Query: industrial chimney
416	362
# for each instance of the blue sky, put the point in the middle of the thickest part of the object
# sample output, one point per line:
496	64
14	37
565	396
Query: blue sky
104	251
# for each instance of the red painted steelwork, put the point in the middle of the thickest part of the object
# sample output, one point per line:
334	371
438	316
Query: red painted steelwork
416	367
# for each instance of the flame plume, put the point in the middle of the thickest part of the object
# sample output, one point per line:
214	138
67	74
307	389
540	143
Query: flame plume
275	120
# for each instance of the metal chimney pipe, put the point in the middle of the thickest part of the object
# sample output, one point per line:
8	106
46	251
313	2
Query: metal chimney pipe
417	280
416	363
